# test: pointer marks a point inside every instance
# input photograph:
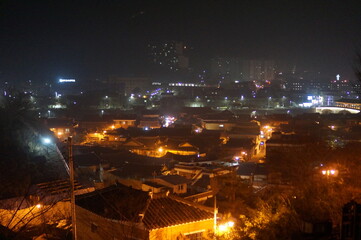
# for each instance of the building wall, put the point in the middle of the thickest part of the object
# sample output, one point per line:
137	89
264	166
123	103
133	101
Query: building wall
149	124
149	152
124	123
176	232
219	126
94	227
179	188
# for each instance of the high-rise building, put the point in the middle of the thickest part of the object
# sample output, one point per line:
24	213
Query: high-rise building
169	55
261	70
226	69
242	70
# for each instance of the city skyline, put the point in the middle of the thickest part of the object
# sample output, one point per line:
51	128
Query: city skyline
46	40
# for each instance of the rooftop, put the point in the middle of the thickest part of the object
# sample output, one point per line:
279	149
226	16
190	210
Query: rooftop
174	179
127	204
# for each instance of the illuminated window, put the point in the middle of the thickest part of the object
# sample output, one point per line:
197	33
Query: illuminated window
195	236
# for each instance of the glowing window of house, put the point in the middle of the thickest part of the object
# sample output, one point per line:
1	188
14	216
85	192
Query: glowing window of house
195	235
221	125
67	130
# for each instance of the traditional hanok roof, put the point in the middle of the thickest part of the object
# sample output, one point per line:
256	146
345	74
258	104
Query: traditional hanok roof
86	160
173	179
169	211
251	168
239	143
196	110
127	204
54	187
153	184
144	142
179	144
225	115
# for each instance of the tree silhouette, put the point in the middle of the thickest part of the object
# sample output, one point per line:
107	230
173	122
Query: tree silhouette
23	163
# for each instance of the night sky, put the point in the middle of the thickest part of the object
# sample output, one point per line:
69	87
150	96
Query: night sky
43	40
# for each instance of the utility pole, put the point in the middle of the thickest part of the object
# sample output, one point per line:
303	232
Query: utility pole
215	211
72	194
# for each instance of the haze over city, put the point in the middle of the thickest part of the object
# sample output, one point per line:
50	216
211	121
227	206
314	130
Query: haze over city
187	120
98	38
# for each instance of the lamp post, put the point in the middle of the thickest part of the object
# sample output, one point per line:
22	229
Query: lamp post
72	194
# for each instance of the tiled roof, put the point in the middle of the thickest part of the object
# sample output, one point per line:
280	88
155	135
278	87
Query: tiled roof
169	211
116	202
153	184
174	179
251	168
239	143
124	203
55	187
87	159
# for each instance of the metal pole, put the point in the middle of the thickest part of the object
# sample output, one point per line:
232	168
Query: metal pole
215	213
72	195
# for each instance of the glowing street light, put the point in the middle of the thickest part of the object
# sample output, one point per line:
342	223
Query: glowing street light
329	172
225	228
46	140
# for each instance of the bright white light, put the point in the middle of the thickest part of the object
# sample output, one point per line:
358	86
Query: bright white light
222	227
46	140
62	80
230	224
38	205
